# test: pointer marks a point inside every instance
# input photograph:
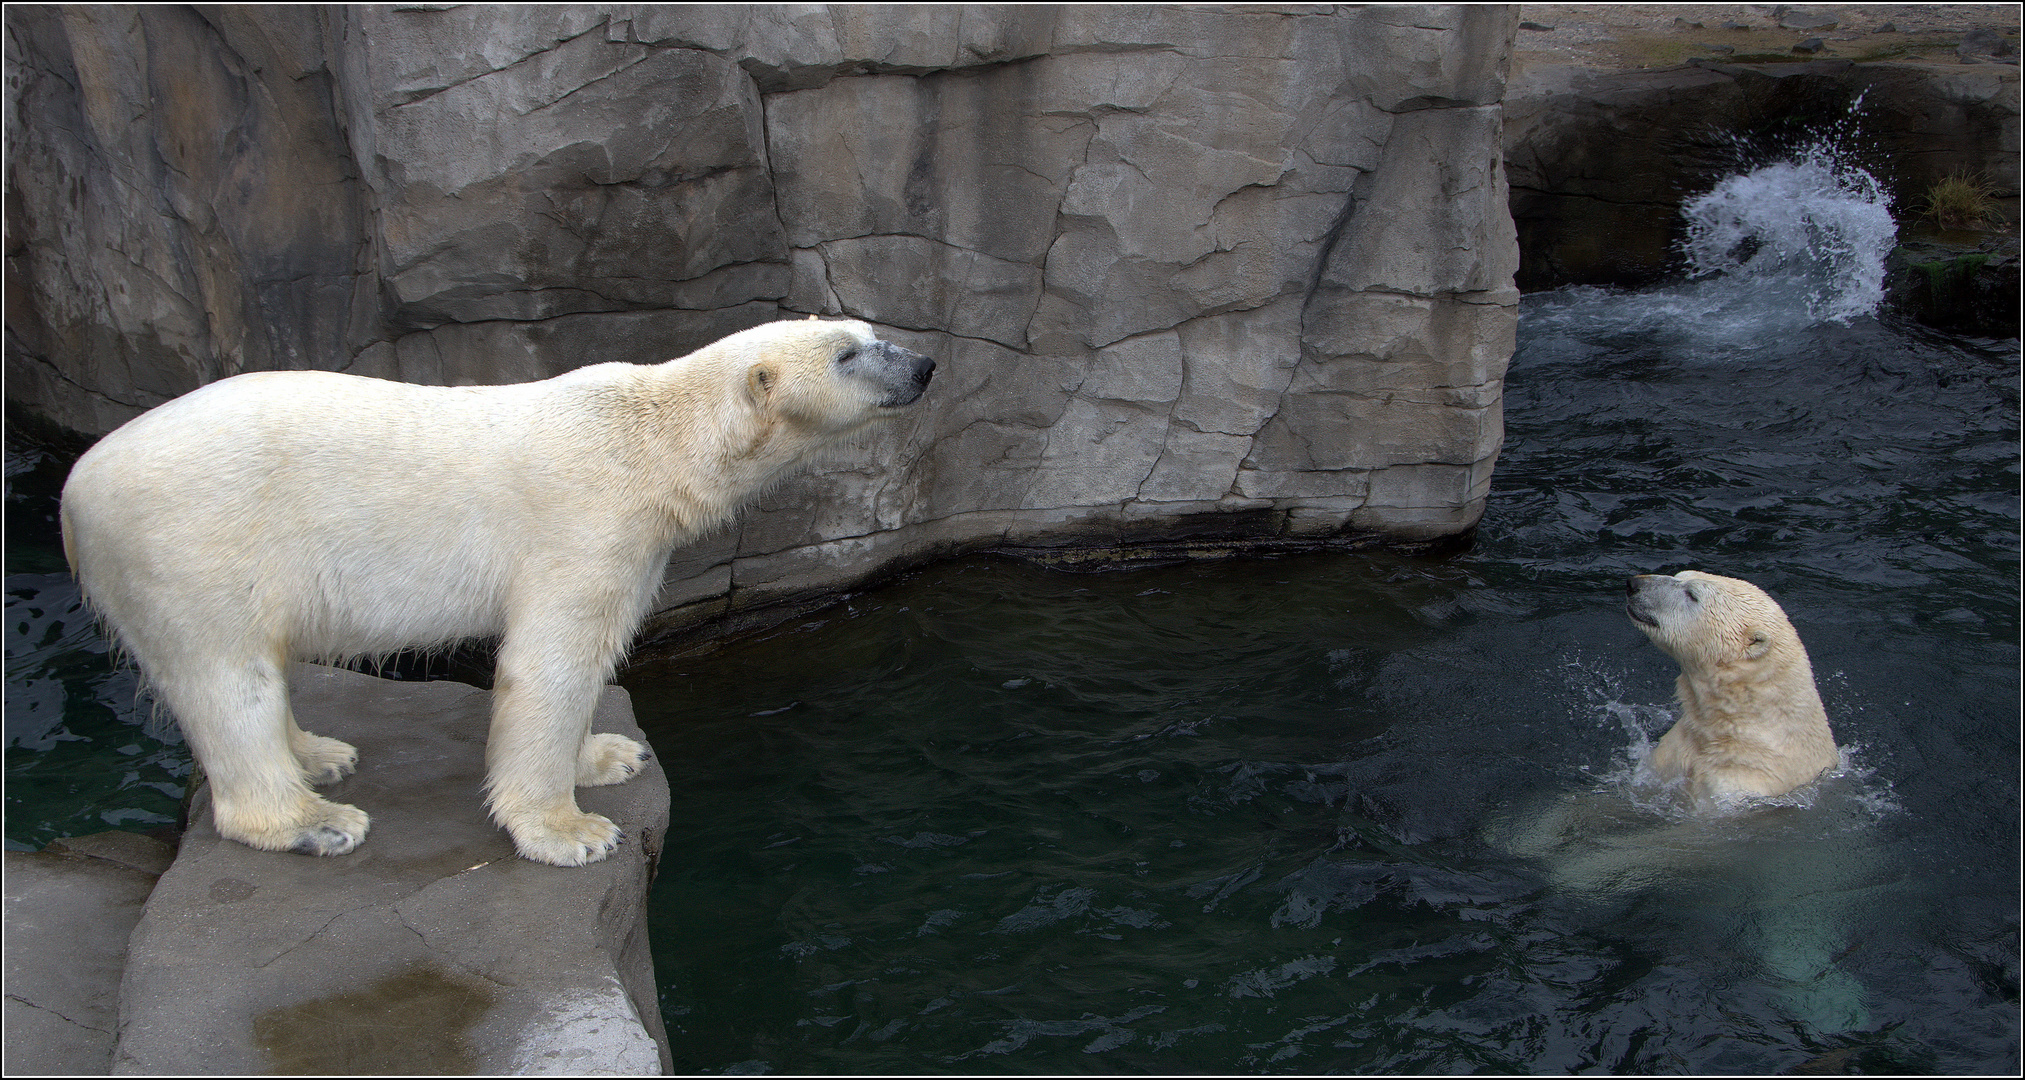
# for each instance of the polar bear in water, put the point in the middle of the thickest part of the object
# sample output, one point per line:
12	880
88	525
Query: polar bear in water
287	515
1709	814
1751	722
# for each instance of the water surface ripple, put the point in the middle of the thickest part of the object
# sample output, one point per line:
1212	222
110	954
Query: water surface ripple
1353	813
1300	814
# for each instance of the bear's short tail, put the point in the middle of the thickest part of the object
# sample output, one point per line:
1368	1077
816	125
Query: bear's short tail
69	542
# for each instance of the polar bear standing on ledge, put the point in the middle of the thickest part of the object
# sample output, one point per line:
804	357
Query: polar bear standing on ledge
1751	722
287	515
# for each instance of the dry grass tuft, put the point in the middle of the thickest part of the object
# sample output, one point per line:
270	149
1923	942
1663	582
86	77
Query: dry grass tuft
1961	200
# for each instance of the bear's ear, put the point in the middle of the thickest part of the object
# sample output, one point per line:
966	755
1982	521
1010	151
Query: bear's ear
1757	644
759	380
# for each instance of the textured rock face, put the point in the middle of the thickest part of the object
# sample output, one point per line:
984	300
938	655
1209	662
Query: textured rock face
1193	274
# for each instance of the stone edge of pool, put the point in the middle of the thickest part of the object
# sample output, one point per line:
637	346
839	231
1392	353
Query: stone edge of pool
431	948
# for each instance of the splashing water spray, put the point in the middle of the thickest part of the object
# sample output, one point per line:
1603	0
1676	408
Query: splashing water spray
1812	231
1769	251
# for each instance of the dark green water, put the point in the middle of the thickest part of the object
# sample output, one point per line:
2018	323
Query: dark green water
78	759
1259	815
1255	815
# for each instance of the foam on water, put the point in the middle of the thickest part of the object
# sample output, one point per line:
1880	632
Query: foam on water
1780	247
1813	232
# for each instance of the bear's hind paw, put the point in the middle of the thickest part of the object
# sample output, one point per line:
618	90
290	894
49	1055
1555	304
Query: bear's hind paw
323	760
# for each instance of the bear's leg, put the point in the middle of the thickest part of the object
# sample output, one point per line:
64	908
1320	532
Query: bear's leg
323	760
549	678
235	715
1802	906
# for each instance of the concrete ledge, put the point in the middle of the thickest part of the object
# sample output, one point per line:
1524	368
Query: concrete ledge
433	948
69	911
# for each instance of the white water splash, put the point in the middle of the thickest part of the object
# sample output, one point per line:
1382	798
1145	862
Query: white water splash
1769	252
1812	232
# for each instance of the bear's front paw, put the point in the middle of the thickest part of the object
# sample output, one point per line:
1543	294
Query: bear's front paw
609	759
323	761
567	838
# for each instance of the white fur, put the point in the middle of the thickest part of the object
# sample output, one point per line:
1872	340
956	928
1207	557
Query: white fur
1751	722
310	515
1751	726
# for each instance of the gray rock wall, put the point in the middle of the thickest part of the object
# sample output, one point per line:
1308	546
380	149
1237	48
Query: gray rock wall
1195	275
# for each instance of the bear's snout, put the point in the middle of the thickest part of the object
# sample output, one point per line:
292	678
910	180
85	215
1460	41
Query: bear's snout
1639	583
1637	601
923	368
904	371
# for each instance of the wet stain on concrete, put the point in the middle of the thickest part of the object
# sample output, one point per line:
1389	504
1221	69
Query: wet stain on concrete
414	1021
231	890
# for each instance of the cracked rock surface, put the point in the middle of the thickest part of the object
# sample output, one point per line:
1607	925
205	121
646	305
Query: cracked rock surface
1202	274
430	949
69	909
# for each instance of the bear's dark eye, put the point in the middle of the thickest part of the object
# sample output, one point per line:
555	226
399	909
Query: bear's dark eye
1693	595
848	356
